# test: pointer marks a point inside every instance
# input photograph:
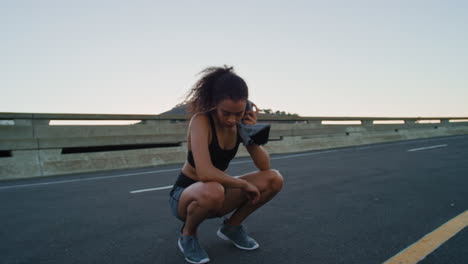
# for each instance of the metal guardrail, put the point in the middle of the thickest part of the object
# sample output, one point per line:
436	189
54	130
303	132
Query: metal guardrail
59	116
33	131
30	146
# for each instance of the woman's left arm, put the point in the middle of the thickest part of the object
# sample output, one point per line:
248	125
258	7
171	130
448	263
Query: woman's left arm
260	156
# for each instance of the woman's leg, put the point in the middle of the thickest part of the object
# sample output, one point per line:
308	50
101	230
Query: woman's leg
268	182
198	202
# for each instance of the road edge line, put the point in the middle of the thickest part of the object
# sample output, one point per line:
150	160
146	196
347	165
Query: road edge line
430	242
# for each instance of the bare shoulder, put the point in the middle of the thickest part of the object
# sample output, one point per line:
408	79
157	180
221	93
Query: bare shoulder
199	119
199	138
199	126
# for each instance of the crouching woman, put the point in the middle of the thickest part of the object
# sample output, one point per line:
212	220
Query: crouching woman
203	189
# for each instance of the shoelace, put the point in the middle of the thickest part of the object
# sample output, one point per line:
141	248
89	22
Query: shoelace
239	232
194	245
242	231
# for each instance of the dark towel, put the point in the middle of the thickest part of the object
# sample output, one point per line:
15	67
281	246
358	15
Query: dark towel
254	134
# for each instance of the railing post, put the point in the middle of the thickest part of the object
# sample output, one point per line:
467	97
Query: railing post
314	123
410	122
40	122
367	122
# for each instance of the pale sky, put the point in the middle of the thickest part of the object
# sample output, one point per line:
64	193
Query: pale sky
315	58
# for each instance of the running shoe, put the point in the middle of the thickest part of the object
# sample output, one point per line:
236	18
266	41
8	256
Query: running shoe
192	250
238	236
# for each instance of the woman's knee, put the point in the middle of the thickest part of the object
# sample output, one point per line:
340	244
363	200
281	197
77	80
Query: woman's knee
211	195
276	180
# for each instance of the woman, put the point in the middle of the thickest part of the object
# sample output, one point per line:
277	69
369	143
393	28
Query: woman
203	189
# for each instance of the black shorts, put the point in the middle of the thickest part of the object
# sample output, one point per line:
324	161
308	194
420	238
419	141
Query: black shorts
180	185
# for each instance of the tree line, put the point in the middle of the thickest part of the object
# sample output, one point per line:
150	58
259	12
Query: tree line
277	112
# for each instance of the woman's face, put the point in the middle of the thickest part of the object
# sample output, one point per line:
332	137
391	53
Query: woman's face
230	112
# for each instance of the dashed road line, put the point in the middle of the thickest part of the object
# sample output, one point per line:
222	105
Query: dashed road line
86	179
430	147
158	188
152	189
237	162
250	161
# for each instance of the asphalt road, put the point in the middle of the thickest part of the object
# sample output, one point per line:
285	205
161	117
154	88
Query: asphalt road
349	205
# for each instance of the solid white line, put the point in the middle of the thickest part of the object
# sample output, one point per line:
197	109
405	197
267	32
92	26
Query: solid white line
152	189
310	154
245	161
86	179
431	147
159	188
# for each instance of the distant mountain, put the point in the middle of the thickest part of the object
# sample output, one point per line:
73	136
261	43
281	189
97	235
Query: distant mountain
182	110
177	110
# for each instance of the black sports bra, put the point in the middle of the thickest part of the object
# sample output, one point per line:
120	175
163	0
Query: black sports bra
219	157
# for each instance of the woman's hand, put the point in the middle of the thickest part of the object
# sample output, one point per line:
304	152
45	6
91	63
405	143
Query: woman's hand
250	116
252	192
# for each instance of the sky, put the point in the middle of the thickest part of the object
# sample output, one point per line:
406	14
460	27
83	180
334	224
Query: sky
314	58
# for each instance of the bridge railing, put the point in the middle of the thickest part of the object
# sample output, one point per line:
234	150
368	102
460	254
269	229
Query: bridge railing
33	145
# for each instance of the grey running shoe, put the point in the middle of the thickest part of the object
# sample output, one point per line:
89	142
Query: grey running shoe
192	250
238	236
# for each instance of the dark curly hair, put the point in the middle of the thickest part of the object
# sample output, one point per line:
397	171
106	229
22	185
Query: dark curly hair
215	85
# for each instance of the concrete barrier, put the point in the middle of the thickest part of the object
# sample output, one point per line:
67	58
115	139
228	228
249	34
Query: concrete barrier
30	146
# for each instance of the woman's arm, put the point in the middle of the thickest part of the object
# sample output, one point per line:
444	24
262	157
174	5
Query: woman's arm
199	130
260	156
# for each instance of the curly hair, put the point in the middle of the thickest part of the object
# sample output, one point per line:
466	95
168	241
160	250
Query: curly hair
215	85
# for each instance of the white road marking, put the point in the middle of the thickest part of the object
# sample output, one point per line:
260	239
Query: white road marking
246	161
286	157
158	188
86	179
430	147
237	162
152	189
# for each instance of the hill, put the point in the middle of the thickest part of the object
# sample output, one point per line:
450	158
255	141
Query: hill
182	110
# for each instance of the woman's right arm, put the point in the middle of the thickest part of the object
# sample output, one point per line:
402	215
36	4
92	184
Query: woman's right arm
199	141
